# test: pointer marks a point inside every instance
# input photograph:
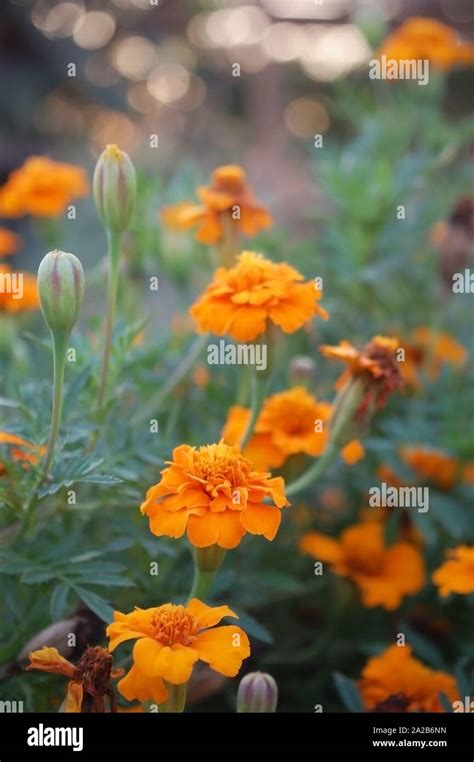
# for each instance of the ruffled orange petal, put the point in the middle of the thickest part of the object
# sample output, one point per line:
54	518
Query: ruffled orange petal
223	648
208	616
173	664
222	528
259	518
49	659
141	687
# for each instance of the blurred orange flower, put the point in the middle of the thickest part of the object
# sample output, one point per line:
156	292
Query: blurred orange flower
352	452
456	575
9	242
89	681
423	38
375	365
21	450
289	423
227	200
42	187
214	495
432	465
241	300
429	350
384	575
170	640
396	674
22	298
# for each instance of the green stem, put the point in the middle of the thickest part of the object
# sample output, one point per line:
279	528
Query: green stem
202	583
59	360
176	698
182	369
258	388
314	472
207	562
114	241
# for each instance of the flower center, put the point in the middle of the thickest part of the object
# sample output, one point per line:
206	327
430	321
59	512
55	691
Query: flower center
93	670
172	624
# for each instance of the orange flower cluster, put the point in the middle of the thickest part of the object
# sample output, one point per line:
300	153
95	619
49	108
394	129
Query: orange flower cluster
89	681
285	427
384	575
243	299
228	200
423	38
375	365
437	467
429	351
9	242
21	450
170	640
456	575
214	495
42	187
396	678
12	302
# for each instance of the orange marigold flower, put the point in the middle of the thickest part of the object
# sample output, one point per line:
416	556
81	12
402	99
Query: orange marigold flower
432	465
429	350
375	365
23	297
89	680
290	422
424	38
227	200
395	673
241	300
170	640
9	242
214	495
384	575
456	575
42	187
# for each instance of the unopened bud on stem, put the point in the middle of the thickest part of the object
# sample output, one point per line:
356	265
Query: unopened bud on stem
114	186
258	692
61	290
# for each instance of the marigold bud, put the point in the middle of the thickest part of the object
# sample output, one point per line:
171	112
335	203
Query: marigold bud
114	186
61	290
258	692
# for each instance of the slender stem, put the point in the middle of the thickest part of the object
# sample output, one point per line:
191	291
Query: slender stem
182	369
258	388
314	472
176	698
202	583
59	359
114	241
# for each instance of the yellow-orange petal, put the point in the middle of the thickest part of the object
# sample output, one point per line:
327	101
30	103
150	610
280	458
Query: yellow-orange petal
208	616
321	547
173	664
182	216
74	697
135	685
222	528
223	648
259	518
48	659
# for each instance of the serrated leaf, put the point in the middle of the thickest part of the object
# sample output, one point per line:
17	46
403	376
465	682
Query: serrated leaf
59	601
96	603
349	693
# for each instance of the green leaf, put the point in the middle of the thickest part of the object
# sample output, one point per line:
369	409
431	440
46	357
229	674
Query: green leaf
424	648
445	703
59	601
96	603
461	678
37	576
252	627
100	479
349	693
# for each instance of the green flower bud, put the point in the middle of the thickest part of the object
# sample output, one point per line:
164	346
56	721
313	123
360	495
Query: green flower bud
61	290
258	692
114	186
